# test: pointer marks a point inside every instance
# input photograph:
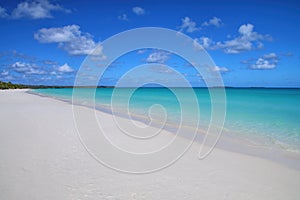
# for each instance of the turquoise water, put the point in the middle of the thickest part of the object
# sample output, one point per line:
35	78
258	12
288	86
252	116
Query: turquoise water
272	115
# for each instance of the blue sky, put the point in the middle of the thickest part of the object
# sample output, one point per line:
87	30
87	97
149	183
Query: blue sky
253	43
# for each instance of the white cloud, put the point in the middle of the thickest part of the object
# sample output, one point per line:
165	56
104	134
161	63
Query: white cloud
263	64
270	56
188	25
197	45
219	69
82	45
246	29
26	68
36	9
246	41
213	22
158	57
141	51
138	10
203	42
64	34
123	17
267	61
65	68
3	13
70	39
4	73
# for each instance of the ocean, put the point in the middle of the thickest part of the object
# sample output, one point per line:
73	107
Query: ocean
269	117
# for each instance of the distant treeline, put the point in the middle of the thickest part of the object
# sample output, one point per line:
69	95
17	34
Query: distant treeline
9	85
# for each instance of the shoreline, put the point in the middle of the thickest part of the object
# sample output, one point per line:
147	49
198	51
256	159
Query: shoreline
252	146
39	145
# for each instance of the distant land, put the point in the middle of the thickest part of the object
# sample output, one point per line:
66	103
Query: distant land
9	85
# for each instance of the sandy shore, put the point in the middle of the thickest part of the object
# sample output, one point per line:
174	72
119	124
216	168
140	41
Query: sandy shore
41	157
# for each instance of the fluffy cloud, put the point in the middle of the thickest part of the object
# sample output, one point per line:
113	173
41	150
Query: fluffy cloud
188	25
219	69
33	69
158	57
3	13
263	64
197	45
203	42
65	68
246	41
36	9
267	61
271	56
123	17
83	45
70	39
4	73
213	22
27	68
138	10
141	51
64	34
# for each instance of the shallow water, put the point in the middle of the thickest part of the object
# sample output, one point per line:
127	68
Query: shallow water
270	116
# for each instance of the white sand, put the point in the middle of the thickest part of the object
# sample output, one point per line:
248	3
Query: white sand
41	157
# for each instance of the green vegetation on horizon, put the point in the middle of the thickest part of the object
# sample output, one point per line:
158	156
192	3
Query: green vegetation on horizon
9	85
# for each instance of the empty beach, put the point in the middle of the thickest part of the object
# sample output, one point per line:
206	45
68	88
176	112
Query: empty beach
42	158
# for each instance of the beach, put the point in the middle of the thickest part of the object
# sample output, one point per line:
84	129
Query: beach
42	157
